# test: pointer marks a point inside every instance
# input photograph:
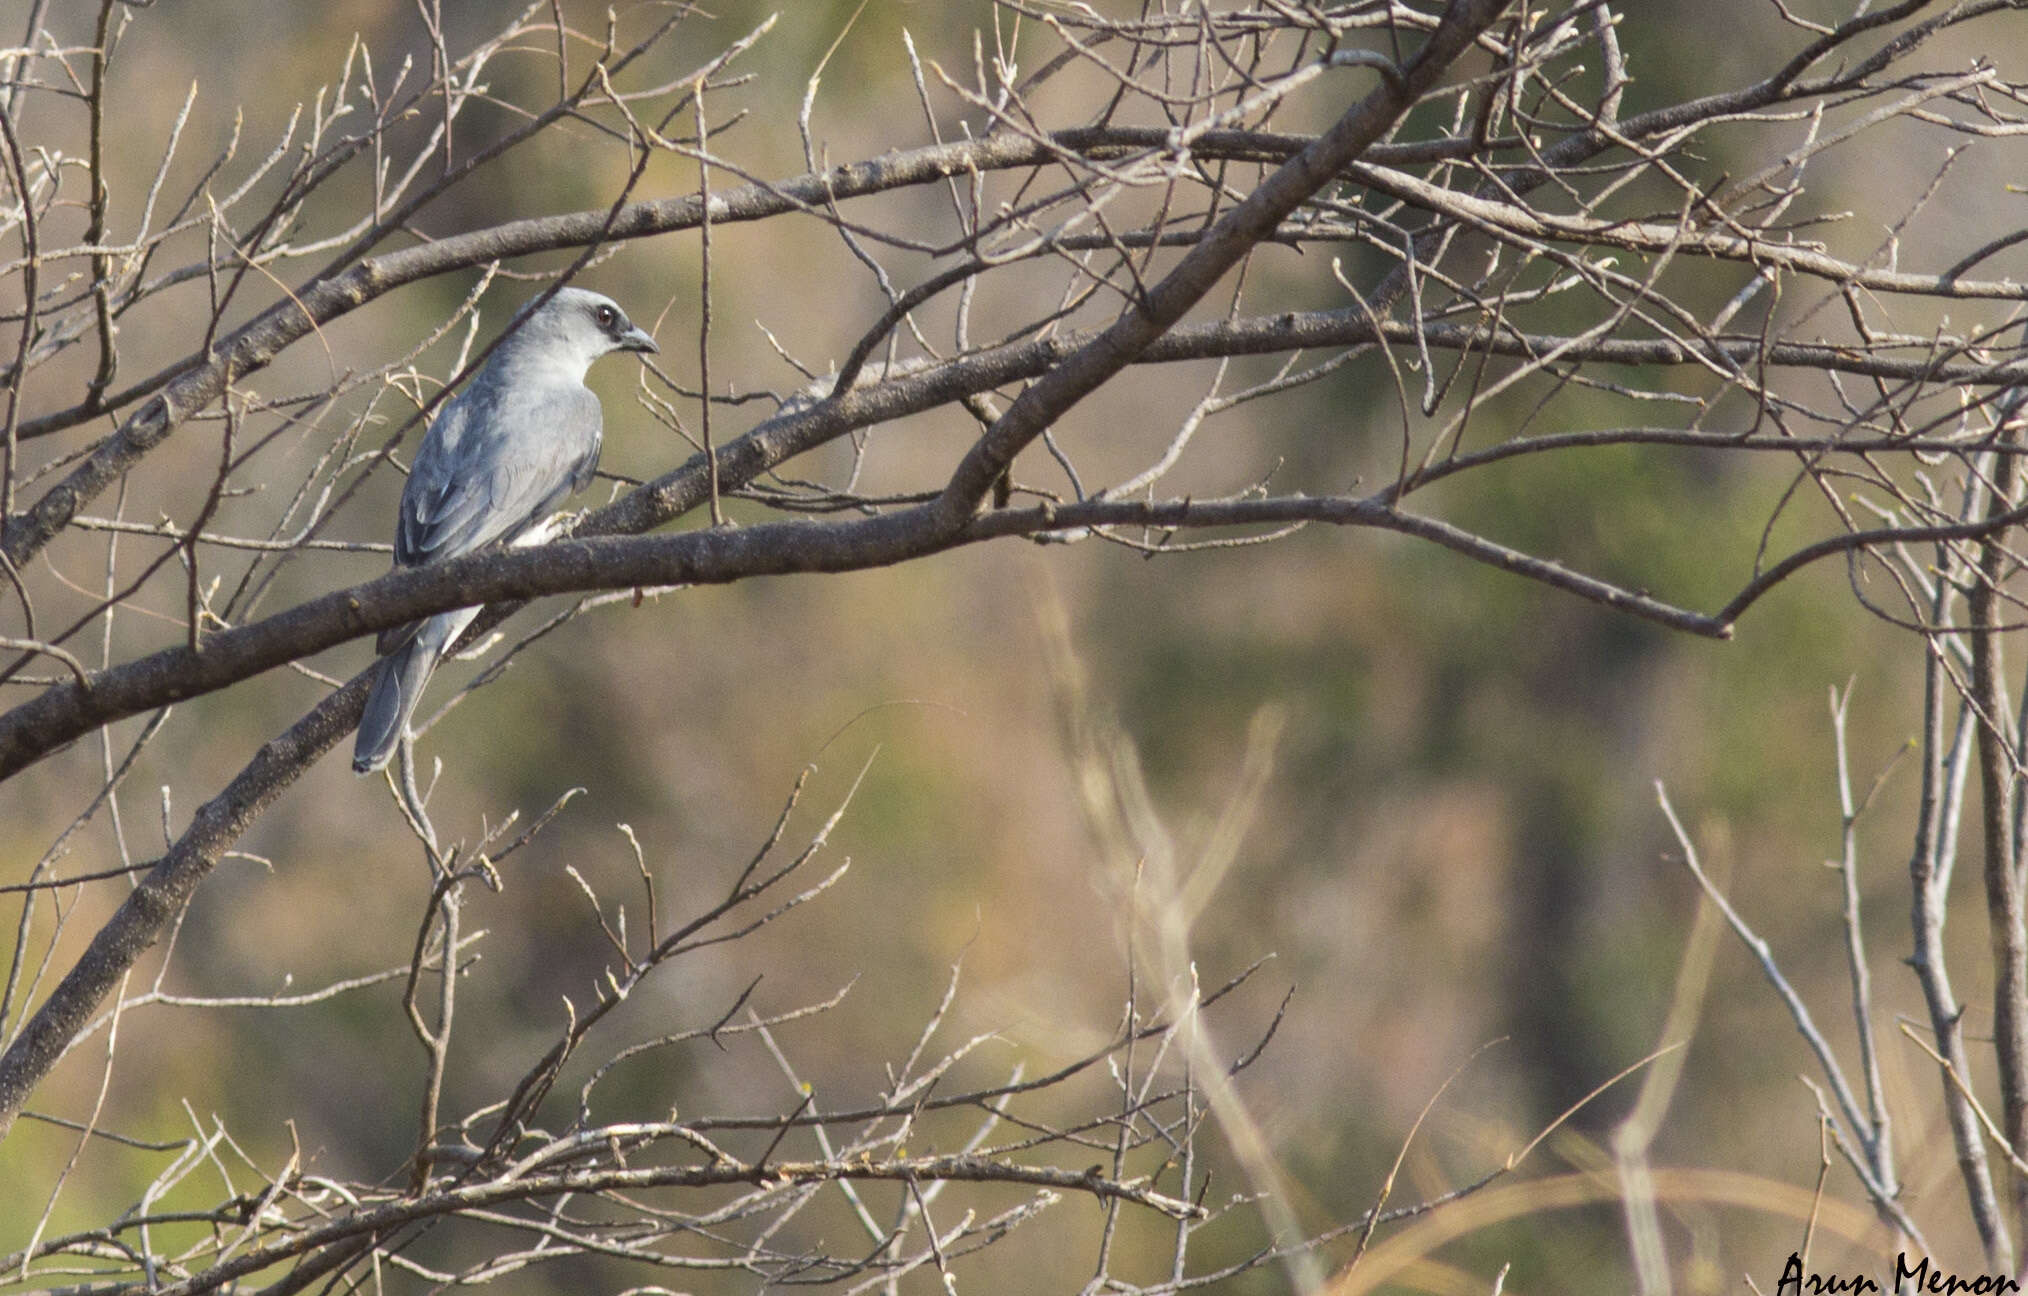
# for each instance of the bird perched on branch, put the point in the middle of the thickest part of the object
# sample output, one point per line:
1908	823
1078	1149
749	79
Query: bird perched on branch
521	437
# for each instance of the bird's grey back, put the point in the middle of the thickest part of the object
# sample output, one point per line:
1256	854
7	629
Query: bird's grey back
502	456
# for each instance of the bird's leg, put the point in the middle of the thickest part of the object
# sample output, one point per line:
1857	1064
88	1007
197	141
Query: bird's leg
546	530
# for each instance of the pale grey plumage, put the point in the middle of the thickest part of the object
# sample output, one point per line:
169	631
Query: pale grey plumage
501	455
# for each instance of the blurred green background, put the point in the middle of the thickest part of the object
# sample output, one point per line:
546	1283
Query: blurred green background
1459	842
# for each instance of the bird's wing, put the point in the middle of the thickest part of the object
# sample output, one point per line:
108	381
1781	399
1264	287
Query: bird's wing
494	464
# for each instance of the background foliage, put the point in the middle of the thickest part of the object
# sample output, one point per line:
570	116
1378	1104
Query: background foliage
1426	788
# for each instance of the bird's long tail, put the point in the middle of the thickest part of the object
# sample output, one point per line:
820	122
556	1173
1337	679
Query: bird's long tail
398	681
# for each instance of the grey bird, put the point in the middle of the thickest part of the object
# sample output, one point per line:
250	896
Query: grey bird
516	442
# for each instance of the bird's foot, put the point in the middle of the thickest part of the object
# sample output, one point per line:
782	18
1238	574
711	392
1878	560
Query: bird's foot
548	529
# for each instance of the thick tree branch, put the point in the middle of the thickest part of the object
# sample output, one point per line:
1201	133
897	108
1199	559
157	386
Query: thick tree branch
161	894
64	711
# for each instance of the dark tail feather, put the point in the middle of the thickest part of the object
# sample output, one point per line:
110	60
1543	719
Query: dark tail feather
397	684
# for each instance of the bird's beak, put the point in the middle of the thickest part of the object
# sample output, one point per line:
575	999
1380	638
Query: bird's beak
635	339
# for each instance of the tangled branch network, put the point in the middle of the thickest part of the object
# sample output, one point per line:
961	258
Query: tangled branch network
1192	277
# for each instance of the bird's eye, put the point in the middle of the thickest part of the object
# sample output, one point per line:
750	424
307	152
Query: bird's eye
606	316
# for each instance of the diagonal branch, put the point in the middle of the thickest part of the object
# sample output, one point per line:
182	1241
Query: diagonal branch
1157	310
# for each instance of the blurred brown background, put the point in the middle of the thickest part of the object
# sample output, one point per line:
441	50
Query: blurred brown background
1459	842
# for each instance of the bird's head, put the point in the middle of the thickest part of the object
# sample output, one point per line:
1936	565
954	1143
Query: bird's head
575	327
